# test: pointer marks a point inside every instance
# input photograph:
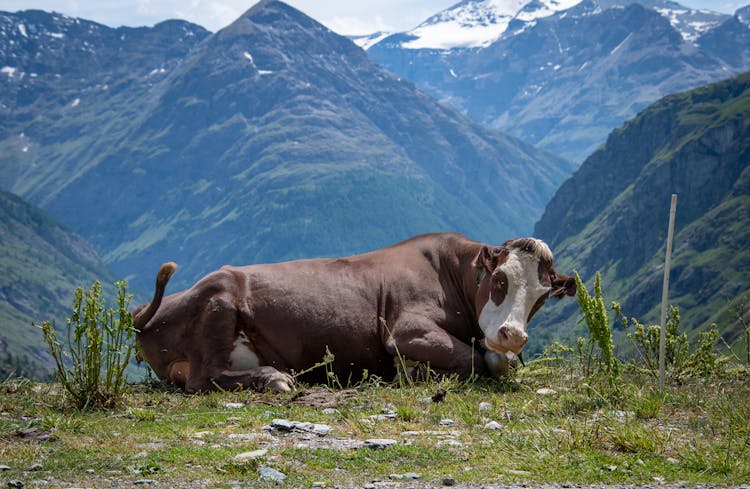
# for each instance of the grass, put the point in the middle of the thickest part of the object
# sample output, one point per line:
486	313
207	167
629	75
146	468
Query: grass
696	433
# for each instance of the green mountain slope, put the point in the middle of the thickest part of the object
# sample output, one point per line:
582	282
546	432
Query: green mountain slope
41	264
612	214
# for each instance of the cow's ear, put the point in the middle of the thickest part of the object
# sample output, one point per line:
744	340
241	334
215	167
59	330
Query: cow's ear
488	258
562	285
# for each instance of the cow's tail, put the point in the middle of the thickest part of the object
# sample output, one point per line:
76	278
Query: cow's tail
142	316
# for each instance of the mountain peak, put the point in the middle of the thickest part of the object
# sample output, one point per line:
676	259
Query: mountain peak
477	23
268	13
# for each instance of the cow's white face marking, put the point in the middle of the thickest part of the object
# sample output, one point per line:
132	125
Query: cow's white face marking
523	290
242	357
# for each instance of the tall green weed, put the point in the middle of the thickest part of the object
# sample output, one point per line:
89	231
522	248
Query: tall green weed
91	363
596	353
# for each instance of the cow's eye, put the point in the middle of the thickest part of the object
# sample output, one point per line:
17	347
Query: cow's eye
499	287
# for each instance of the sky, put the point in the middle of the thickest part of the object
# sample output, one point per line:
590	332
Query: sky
346	17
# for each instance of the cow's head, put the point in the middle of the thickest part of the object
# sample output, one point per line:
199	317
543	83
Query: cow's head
514	280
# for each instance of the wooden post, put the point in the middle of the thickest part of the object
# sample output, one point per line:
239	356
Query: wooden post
665	293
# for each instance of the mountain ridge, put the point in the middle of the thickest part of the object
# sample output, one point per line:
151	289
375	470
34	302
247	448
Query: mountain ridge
272	139
565	80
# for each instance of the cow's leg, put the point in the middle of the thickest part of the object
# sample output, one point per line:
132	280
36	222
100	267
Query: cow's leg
259	378
415	338
179	372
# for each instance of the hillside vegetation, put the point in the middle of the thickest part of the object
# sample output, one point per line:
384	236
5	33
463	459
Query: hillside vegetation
40	264
611	215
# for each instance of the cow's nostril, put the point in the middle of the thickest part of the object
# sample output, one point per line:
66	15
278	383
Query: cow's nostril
503	334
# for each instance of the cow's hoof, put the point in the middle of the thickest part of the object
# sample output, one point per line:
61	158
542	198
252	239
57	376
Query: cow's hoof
279	382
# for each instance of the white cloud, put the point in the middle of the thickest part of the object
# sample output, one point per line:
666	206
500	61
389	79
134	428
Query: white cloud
357	26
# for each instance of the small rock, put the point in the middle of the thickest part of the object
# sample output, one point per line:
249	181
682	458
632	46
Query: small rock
377	443
331	411
245	456
282	424
446	422
318	484
3	468
36	434
485	406
449	481
407	475
89	471
321	429
449	443
545	391
143	482
271	475
36	467
493	425
242	436
233	405
15	483
611	468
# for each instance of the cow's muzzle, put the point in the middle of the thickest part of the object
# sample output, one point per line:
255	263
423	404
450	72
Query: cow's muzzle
509	339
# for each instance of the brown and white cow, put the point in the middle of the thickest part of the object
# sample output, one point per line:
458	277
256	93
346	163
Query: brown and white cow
440	299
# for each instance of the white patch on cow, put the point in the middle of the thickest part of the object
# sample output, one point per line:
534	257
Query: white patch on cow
524	289
242	357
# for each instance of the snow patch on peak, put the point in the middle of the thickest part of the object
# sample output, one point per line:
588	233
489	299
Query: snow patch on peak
367	41
691	23
478	23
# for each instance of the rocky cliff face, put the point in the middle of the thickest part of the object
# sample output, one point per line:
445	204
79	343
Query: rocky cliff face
612	214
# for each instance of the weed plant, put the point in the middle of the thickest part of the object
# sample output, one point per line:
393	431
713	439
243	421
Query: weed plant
598	349
90	365
680	362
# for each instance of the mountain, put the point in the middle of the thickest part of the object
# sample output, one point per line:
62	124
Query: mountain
563	74
612	214
271	139
41	265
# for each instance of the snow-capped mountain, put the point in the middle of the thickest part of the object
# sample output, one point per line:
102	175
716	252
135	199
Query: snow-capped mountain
477	23
562	74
